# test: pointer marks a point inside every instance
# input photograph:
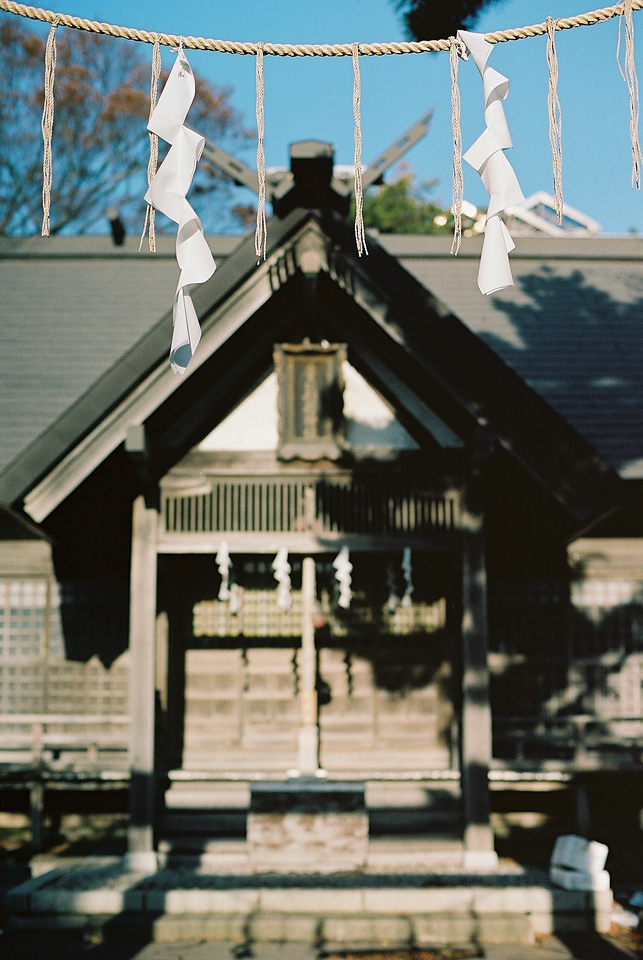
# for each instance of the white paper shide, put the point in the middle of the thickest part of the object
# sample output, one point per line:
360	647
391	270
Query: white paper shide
343	576
167	193
487	157
281	570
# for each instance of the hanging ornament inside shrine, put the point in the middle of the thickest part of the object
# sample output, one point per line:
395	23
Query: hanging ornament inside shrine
343	570
224	563
393	600
281	569
407	571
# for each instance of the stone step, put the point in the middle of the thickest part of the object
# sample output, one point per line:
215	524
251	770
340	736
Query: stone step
423	909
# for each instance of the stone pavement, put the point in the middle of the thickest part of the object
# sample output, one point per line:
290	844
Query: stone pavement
70	945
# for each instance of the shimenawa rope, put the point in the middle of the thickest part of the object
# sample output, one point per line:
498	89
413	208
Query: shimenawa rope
306	49
555	118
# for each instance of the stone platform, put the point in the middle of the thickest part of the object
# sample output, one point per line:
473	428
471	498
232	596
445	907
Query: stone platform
186	901
307	824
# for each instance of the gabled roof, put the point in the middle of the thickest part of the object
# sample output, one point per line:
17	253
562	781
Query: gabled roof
112	368
571	327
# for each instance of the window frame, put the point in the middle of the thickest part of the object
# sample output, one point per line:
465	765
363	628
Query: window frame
329	445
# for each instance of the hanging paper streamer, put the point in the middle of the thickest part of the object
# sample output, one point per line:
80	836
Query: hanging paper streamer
407	570
167	193
281	569
224	563
487	157
343	569
393	600
234	602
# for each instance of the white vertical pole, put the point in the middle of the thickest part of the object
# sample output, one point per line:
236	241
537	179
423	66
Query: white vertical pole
308	732
140	835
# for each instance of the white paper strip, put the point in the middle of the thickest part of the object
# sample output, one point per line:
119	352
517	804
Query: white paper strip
281	569
343	571
393	600
224	563
167	194
487	157
407	570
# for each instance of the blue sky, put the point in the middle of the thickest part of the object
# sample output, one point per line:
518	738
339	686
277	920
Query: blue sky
312	97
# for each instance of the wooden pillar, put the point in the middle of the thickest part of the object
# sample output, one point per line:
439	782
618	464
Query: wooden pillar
36	813
475	741
308	762
140	837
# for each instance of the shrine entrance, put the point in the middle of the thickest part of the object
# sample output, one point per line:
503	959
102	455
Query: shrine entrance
395	690
239	688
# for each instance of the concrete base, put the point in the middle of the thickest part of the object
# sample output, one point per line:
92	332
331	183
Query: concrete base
482	860
141	861
307	825
420	909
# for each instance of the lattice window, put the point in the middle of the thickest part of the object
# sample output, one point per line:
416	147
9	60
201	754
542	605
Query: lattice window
553	656
35	675
29	619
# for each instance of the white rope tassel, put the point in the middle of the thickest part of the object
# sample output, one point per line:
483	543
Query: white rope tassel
360	235
455	51
150	212
631	79
261	233
48	128
555	118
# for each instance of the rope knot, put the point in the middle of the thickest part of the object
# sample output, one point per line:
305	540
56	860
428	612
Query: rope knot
456	46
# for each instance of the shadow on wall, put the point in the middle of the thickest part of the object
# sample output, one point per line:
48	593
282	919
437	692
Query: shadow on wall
582	352
565	677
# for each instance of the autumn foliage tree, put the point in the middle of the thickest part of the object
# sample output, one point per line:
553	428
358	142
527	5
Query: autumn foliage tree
100	143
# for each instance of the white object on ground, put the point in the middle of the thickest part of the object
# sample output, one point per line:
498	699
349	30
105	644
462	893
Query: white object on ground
578	864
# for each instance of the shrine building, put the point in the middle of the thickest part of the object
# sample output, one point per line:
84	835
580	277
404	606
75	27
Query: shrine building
456	480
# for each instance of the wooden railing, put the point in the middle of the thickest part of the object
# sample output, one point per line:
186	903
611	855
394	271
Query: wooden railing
64	740
374	506
579	741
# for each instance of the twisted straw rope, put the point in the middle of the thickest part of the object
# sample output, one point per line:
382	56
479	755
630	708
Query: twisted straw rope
304	49
47	125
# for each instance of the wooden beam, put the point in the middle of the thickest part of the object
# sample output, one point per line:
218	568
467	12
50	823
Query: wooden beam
140	835
308	543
